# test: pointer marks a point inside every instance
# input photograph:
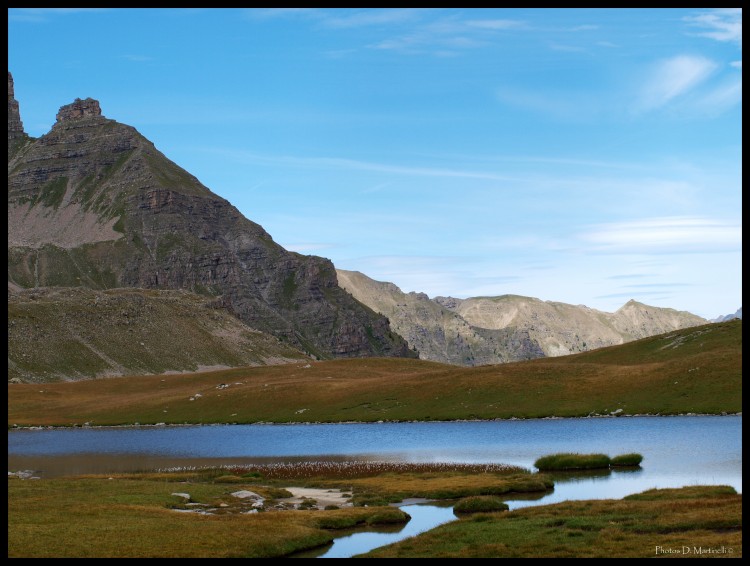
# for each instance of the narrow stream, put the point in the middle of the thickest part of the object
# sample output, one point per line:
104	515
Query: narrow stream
423	518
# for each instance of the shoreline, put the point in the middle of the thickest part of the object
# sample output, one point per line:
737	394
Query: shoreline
76	426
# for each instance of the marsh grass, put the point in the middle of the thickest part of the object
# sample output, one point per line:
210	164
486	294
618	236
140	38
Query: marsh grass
694	517
480	504
571	461
626	460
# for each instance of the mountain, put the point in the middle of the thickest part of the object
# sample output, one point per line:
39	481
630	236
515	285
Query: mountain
724	318
94	204
484	330
63	334
436	332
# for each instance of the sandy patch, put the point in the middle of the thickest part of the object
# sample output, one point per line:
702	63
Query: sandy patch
322	497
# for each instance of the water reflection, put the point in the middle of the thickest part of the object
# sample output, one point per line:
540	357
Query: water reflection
423	518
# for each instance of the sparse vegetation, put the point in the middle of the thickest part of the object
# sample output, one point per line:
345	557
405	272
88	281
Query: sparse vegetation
480	504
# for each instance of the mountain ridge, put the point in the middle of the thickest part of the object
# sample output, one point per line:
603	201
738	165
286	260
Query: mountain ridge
486	325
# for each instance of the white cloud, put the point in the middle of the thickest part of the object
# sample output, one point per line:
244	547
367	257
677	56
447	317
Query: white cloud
671	234
737	64
672	78
722	24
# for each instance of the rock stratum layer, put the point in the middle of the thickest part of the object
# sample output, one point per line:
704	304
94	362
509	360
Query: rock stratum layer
490	330
94	204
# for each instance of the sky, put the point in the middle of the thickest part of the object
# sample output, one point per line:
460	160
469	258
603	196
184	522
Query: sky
586	156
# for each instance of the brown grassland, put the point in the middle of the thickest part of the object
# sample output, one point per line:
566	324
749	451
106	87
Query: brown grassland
696	370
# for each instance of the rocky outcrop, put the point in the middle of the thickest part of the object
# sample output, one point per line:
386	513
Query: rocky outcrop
483	330
15	126
79	109
93	203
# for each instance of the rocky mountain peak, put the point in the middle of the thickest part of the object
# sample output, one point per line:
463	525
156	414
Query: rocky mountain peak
15	126
93	203
79	109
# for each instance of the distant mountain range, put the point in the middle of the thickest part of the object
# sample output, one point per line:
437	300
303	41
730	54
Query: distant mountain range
490	330
737	314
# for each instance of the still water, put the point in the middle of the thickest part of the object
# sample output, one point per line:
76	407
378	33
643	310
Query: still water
677	451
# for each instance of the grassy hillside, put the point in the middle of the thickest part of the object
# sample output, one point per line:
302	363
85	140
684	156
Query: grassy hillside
696	370
64	334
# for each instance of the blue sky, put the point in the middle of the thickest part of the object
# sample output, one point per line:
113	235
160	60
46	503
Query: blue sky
581	156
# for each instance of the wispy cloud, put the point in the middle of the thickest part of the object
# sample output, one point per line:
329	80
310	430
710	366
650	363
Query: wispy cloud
561	105
267	13
630	276
721	24
339	163
657	285
353	18
737	64
36	15
495	24
672	234
583	27
723	96
672	78
631	294
435	35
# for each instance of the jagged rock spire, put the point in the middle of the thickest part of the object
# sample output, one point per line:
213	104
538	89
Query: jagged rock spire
15	126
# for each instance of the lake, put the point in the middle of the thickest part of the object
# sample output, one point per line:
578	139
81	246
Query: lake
677	451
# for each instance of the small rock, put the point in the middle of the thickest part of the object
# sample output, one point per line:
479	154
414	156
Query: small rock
183	495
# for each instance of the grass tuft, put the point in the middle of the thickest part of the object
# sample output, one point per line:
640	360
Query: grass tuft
631	459
480	504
